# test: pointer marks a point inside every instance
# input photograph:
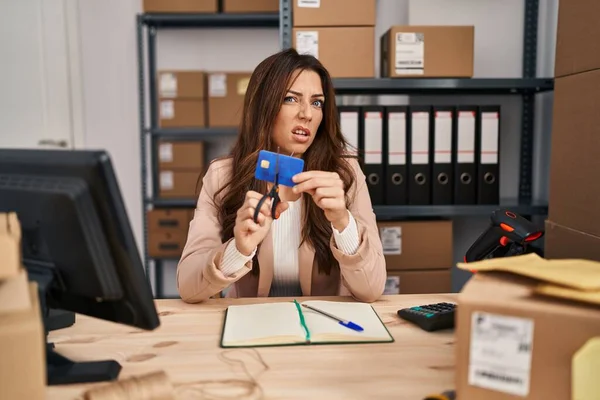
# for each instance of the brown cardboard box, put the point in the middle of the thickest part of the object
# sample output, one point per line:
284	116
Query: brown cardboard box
179	183
418	282
250	6
10	245
226	92
182	113
427	51
417	245
574	164
345	52
333	13
181	155
181	84
22	345
577	35
514	344
563	242
169	219
180	6
166	243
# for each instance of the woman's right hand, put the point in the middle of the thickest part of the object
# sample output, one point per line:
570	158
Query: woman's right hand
249	234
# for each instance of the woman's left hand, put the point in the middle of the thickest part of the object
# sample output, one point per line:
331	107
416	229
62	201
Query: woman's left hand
327	191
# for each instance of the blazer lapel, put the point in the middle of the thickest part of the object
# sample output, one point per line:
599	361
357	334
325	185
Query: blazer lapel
265	260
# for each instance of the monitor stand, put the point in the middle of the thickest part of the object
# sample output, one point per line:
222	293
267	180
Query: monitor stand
61	370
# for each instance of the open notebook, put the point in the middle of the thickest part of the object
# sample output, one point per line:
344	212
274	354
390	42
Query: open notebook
285	323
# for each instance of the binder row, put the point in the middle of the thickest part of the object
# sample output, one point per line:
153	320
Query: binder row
426	155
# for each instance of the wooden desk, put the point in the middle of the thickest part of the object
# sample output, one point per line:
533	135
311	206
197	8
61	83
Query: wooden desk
186	347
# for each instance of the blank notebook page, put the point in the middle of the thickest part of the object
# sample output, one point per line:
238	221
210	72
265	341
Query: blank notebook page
322	327
262	321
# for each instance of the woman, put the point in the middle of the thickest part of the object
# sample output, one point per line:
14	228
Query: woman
324	238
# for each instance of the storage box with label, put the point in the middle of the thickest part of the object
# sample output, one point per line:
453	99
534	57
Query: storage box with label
417	245
253	6
167	231
182	184
226	92
180	6
528	328
188	154
427	51
181	99
328	13
418	282
347	52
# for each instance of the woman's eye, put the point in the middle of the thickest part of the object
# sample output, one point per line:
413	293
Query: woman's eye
318	103
289	99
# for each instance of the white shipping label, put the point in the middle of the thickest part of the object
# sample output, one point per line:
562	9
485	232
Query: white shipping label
309	3
443	137
167	109
167	85
420	138
397	138
217	85
500	355
165	152
391	240
373	137
349	127
410	53
490	126
166	180
392	285
466	137
307	42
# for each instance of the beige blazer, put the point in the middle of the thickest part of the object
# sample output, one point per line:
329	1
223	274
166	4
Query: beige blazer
361	275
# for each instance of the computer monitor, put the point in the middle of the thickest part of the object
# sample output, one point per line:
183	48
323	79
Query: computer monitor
77	245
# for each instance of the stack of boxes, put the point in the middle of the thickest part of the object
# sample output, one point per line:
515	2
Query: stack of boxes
418	256
181	166
340	33
210	6
167	231
573	225
22	339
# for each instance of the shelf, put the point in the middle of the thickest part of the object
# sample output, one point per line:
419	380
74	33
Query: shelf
409	211
194	133
428	86
269	20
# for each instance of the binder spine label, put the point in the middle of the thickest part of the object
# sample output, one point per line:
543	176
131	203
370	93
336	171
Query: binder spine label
397	138
443	137
373	137
489	138
420	138
349	126
410	53
466	137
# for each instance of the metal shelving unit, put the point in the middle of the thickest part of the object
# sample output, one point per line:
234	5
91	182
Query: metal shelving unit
527	88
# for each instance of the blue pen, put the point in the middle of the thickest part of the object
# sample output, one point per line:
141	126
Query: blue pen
347	324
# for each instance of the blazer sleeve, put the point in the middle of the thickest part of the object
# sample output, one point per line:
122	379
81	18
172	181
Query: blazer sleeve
198	274
364	272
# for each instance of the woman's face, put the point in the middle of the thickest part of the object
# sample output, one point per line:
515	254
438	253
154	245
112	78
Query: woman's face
300	114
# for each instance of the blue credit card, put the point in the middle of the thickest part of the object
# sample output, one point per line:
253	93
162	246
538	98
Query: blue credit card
288	167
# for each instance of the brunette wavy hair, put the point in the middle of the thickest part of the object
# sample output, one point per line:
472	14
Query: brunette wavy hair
264	97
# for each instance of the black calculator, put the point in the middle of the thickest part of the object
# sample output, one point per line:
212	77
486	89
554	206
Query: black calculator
430	317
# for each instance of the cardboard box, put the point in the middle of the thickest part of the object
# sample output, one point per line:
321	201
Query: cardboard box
182	113
180	6
181	84
427	52
418	282
574	160
23	347
563	242
250	6
181	155
577	35
226	92
167	244
417	245
181	184
10	245
345	52
512	343
333	13
169	219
